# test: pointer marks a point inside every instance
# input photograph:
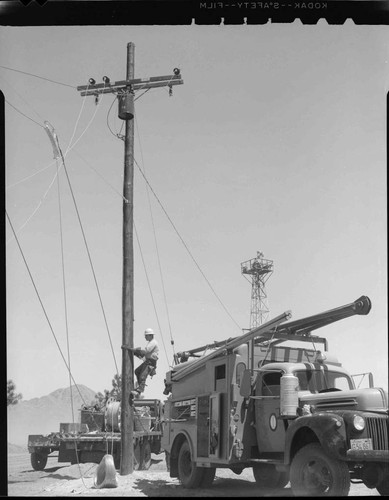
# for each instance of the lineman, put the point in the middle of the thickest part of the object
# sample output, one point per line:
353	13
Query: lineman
150	357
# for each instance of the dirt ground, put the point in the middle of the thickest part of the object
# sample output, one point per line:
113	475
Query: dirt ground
62	479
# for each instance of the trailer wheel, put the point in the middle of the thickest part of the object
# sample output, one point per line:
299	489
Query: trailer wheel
137	456
314	473
38	460
167	460
188	473
145	456
208	477
267	476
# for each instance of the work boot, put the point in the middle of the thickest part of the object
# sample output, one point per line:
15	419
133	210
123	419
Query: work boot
133	395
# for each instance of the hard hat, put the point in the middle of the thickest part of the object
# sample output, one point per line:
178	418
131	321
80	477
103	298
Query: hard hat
149	331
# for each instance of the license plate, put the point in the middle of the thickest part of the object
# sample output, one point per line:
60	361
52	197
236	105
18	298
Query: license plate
361	444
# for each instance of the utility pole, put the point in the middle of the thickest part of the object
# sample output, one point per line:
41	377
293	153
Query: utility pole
125	91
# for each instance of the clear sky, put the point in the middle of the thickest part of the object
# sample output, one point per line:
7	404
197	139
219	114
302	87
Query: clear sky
276	143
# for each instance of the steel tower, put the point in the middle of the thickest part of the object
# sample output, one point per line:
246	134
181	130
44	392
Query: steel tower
260	270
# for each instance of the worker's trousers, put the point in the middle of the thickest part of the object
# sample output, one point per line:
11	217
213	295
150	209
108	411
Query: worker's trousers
143	371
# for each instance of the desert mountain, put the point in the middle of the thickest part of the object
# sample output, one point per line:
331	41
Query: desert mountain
43	415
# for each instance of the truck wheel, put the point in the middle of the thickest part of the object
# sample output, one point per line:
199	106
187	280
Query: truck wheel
208	477
188	473
383	487
314	473
38	460
267	476
145	456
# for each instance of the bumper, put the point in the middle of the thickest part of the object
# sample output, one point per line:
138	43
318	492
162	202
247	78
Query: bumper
368	455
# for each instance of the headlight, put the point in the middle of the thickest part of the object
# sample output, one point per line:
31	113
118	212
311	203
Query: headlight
358	423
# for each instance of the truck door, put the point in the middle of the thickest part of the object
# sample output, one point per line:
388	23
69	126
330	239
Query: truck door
214	431
208	426
269	427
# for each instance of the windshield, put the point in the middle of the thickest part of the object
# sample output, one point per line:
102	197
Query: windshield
317	380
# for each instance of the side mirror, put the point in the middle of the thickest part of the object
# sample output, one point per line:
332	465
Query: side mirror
245	384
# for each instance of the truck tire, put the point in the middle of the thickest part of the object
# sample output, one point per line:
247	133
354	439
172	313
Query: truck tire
383	487
189	474
267	476
145	456
314	473
208	477
38	460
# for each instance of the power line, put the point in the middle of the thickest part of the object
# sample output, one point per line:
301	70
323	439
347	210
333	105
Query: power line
43	308
18	110
157	249
22	98
37	76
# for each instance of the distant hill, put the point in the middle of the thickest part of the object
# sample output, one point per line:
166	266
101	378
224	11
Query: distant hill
43	415
14	449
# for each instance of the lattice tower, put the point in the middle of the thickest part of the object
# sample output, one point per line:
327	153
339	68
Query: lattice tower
260	270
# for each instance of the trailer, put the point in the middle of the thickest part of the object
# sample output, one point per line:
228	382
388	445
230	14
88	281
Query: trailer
98	433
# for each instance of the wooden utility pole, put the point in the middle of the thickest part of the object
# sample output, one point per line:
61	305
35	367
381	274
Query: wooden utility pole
125	90
127	410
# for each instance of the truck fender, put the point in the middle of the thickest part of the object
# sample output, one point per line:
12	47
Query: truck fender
175	449
326	428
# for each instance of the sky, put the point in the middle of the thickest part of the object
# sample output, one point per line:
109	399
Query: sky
276	142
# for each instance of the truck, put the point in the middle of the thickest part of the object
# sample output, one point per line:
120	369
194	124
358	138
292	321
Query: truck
99	433
277	401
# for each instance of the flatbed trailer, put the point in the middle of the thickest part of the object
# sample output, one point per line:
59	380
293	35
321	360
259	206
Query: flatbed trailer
92	438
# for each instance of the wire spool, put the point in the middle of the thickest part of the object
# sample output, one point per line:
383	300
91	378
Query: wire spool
289	395
112	416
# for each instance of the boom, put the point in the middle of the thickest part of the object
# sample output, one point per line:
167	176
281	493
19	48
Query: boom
276	332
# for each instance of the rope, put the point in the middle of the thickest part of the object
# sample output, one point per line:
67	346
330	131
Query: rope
30	176
186	247
37	208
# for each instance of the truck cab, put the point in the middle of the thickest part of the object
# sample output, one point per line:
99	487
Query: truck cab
290	413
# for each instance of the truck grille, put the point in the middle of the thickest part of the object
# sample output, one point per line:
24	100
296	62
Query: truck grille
377	429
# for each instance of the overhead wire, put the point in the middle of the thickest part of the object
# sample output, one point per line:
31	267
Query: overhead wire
90	258
156	247
171	222
42	306
186	247
64	289
23	114
21	97
150	289
37	76
69	148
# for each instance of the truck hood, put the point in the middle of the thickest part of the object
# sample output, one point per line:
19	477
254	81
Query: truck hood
375	400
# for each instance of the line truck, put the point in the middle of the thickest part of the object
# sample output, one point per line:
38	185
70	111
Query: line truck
275	400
